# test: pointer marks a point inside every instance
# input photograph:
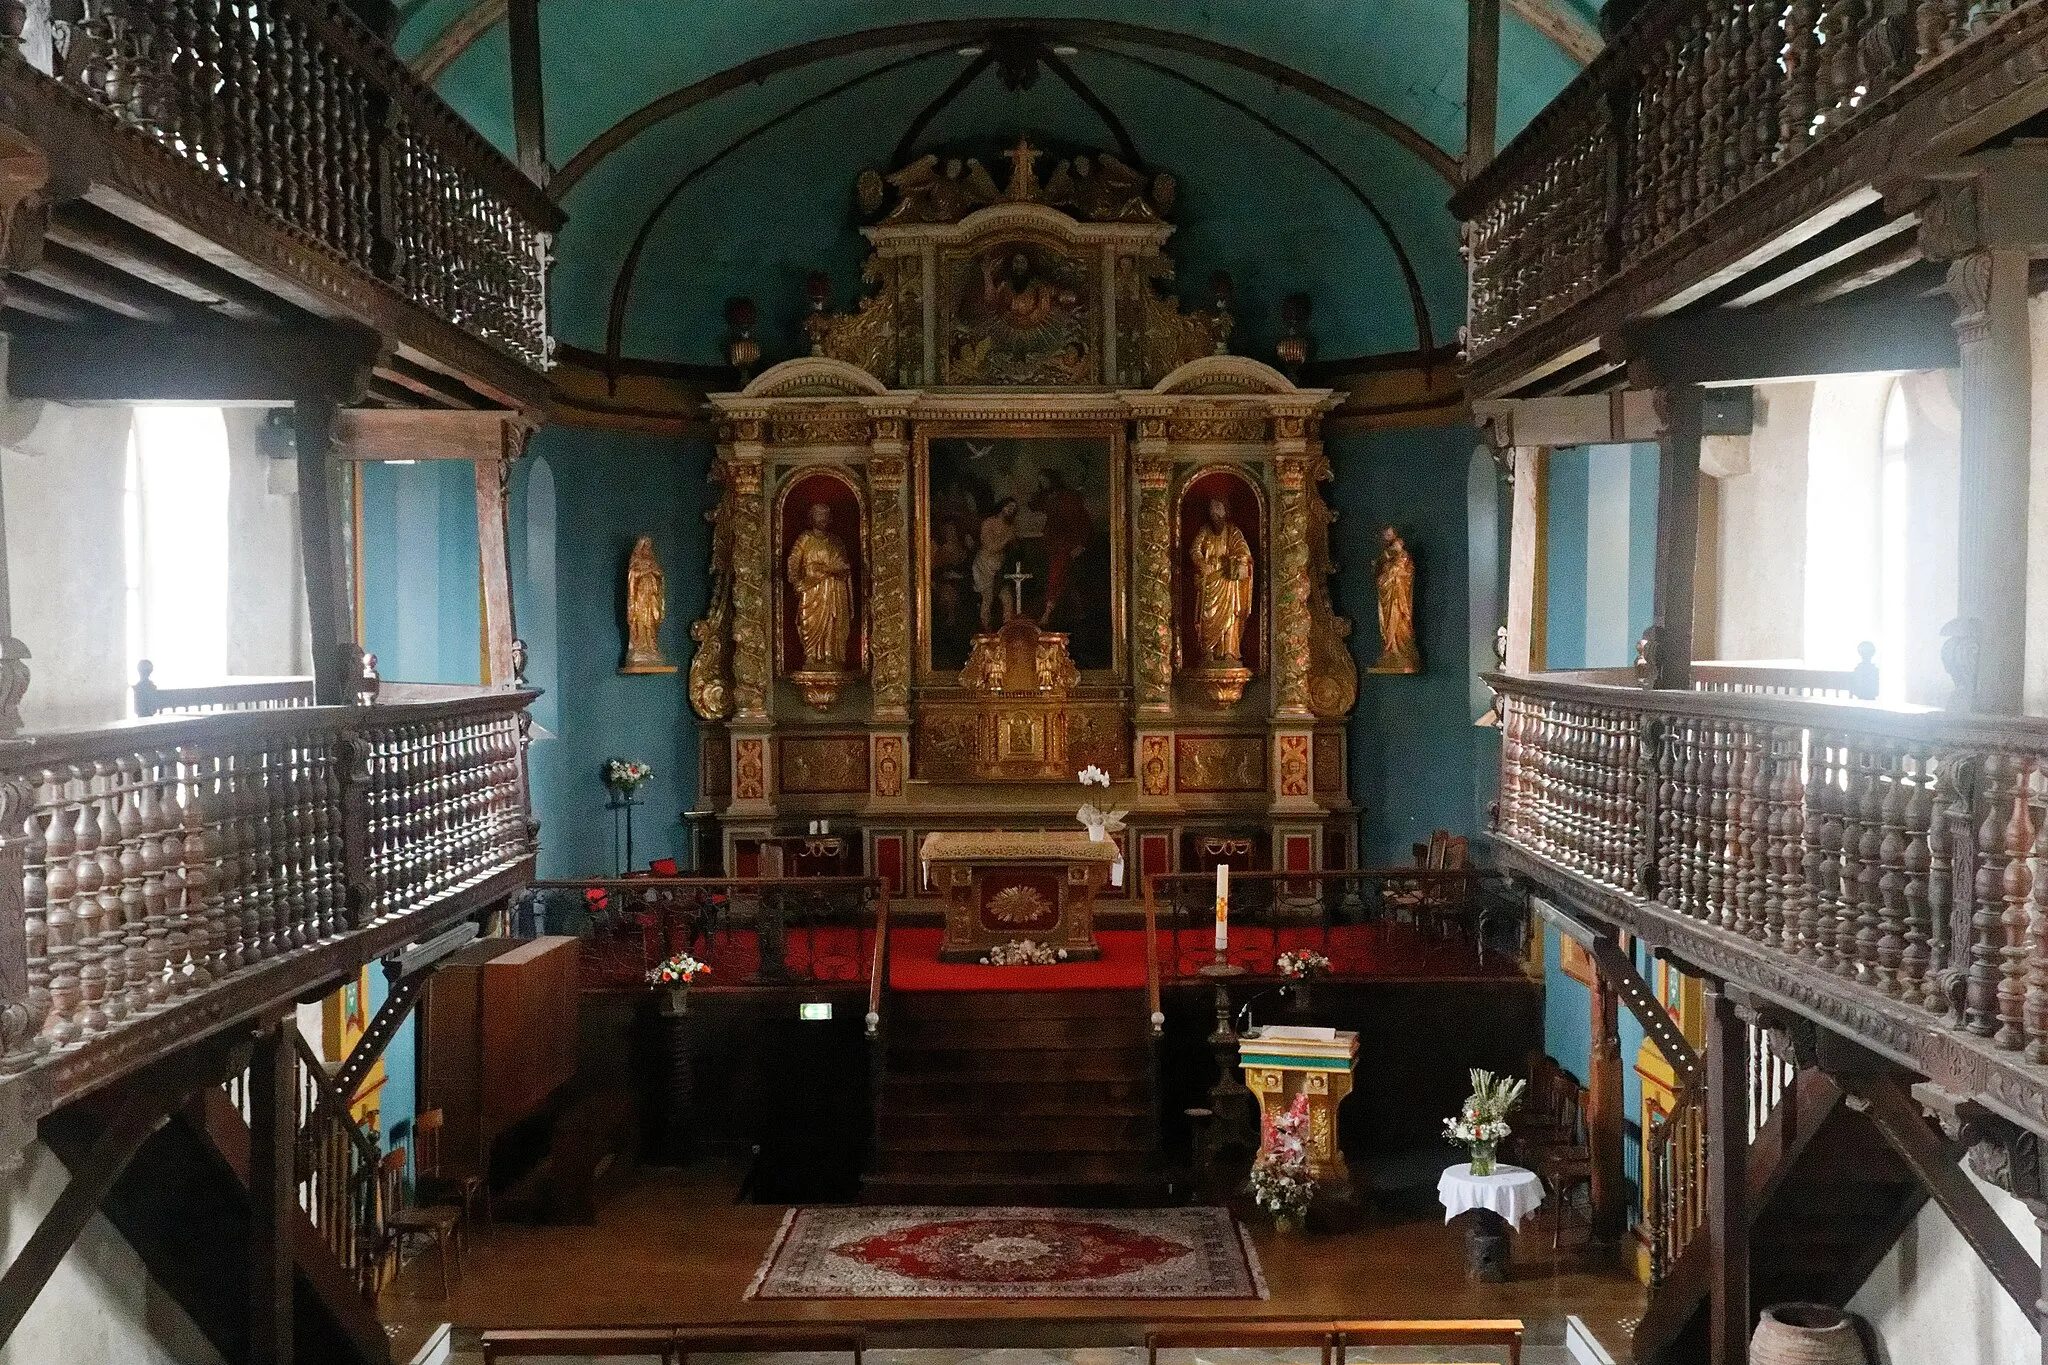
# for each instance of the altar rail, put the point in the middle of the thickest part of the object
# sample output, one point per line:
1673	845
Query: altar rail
163	878
1872	868
309	120
1708	120
748	930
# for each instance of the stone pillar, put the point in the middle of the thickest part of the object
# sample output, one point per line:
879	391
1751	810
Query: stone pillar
1985	648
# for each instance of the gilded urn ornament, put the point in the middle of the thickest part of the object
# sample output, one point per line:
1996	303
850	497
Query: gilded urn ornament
646	607
821	579
1394	577
1221	562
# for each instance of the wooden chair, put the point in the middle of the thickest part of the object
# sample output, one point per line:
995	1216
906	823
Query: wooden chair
431	1187
441	1222
1550	1138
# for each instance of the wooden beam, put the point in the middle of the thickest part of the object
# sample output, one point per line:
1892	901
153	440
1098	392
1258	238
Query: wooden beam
208	360
494	562
529	105
1678	514
1933	1163
102	286
1840	243
1482	83
273	1173
1562	24
372	434
1896	330
1728	1213
91	231
25	295
1573	419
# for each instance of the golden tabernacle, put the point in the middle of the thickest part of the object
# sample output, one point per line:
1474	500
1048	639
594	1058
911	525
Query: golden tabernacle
1002	888
1019	514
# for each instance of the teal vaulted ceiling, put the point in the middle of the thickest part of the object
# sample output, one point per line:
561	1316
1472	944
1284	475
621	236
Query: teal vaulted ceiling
1271	174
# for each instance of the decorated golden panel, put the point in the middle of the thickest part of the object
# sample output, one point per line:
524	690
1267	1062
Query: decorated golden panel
750	770
1294	765
888	765
1155	764
824	764
1219	763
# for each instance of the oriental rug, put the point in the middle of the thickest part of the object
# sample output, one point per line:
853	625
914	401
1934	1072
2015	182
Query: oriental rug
971	1253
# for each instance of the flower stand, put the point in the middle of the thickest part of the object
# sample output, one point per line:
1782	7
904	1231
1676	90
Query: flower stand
1491	1207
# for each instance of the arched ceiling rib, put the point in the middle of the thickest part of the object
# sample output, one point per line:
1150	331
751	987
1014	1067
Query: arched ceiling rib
800	55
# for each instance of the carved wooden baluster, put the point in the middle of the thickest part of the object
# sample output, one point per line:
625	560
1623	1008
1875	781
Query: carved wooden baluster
1914	863
1692	112
1713	84
1742	804
35	901
295	929
1890	948
304	161
2034	1009
309	913
1766	89
1849	895
1940	887
1615	761
1668	889
1699	801
66	967
85	901
1987	931
187	877
1763	823
139	969
2015	888
230	840
163	945
1869	864
1826	822
1722	803
1791	799
1801	61
260	856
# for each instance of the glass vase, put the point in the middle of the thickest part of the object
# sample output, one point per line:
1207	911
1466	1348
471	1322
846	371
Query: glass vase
1482	1158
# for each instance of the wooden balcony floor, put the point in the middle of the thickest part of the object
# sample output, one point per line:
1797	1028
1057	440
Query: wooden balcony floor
672	1246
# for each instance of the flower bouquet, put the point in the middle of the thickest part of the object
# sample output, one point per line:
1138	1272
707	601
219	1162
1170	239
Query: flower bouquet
1301	963
676	974
1100	823
1482	1124
1023	953
626	777
1281	1184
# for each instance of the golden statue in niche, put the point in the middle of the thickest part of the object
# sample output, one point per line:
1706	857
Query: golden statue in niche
646	606
1394	576
822	578
1222	563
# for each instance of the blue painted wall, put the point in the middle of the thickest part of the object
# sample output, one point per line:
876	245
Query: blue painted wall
1601	544
580	500
422	610
1413	744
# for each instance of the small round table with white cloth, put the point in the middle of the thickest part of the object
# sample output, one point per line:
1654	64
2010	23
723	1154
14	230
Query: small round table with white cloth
1496	1204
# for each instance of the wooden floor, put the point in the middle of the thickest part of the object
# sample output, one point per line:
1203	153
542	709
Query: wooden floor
673	1247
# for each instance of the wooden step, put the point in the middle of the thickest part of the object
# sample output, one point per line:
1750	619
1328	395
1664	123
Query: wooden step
1061	1031
1087	1130
1001	1093
1147	1191
1005	1165
1022	1063
993	1005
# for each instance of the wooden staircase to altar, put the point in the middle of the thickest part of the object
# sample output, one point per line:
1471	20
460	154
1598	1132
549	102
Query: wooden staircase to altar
1017	1097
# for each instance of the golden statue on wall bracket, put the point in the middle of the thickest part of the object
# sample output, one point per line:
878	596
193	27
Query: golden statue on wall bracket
646	607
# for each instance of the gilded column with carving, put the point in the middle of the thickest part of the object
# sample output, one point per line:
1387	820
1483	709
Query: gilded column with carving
1153	632
888	572
1291	591
751	665
1332	672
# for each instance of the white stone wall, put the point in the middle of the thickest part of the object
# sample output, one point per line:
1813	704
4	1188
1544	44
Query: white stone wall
1761	545
1932	1302
100	1304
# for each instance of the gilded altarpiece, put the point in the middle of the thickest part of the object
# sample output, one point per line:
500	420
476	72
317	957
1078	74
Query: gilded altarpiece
1067	527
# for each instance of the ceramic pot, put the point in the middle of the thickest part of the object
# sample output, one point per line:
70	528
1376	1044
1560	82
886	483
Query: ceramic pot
1482	1158
678	1000
1287	1224
1806	1334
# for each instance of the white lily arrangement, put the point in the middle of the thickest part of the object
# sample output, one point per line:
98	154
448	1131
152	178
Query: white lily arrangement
1100	823
1484	1117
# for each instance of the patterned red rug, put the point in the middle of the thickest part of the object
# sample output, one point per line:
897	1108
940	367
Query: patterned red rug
968	1253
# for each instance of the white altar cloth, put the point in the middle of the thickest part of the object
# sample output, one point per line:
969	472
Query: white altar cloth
1513	1192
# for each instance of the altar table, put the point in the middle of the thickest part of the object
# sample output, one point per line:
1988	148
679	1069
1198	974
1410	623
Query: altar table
1003	887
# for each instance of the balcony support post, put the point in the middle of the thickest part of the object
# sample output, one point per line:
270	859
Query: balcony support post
1604	1114
273	1174
24	216
1482	83
1527	560
1727	1177
1666	653
1986	649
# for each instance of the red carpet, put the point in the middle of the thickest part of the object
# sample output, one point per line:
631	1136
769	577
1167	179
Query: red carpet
914	966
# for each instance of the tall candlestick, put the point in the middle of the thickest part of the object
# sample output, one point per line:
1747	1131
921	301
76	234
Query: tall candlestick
1222	908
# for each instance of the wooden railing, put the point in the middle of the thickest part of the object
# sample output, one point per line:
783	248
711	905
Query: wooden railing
1871	868
1787	677
748	930
309	119
1270	912
337	1167
1692	107
163	878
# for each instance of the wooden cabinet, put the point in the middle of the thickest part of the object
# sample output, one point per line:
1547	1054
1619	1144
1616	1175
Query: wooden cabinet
497	1041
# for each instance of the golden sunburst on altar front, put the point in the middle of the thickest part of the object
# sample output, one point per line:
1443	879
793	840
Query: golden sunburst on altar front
1018	905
